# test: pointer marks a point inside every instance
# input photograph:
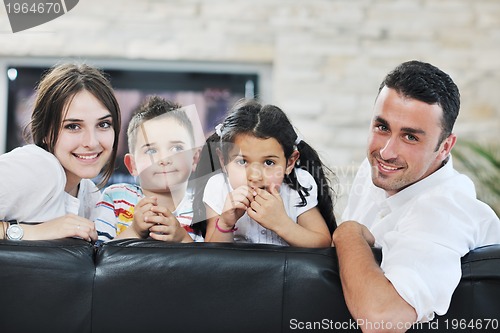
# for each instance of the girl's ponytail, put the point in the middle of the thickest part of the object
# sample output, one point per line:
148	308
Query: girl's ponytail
310	161
207	165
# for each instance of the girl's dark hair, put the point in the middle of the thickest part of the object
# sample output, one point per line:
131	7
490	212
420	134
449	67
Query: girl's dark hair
268	121
54	94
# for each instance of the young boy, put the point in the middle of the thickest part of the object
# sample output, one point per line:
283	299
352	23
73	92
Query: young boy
162	157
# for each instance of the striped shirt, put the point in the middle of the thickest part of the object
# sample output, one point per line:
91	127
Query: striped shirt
115	211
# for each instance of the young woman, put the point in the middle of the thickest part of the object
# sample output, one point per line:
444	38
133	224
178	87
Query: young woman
46	190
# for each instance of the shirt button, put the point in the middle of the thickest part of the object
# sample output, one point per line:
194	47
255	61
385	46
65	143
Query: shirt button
263	232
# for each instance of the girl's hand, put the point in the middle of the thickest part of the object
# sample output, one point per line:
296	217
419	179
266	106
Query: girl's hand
143	211
269	211
267	208
166	227
236	204
69	225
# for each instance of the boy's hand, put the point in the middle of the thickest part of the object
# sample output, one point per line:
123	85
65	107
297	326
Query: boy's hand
143	211
166	227
267	208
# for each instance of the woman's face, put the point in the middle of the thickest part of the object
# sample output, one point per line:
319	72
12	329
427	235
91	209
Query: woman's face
86	138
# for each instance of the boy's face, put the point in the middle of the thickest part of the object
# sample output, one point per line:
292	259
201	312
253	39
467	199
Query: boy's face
163	157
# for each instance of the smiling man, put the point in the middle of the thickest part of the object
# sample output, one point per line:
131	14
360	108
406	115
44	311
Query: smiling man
409	200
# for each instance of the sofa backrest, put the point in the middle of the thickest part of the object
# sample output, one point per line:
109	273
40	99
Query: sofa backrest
46	286
475	305
230	287
147	286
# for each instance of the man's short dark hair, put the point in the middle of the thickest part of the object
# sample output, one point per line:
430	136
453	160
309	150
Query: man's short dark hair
427	83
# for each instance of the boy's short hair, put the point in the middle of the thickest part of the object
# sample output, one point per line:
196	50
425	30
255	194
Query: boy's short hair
153	107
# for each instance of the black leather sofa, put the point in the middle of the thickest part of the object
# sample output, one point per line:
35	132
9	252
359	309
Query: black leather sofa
148	286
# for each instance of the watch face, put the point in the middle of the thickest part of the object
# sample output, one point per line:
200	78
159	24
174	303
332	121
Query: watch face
15	232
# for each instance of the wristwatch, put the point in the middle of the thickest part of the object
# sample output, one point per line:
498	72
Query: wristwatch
14	231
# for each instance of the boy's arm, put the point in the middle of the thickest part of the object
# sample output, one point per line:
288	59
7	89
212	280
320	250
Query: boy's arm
128	233
105	218
140	225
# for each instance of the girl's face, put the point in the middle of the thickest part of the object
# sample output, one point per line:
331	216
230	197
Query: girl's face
86	138
164	156
257	163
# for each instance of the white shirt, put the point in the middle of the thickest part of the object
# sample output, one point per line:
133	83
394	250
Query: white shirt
423	231
32	189
250	231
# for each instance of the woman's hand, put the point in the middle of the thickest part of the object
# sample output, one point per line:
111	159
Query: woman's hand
69	225
166	227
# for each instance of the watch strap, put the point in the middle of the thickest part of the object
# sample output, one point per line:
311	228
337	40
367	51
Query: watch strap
14	231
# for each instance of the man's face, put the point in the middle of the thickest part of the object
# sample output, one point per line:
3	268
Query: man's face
402	144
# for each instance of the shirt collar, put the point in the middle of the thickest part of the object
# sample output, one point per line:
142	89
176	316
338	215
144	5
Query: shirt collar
407	194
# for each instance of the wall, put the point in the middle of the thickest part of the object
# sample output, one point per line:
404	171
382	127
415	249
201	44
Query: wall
326	58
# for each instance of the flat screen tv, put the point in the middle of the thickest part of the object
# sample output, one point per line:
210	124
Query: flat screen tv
212	94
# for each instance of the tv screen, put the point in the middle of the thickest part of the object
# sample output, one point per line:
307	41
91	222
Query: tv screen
212	94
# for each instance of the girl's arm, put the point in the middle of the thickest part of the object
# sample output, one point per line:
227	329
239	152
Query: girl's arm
213	233
309	231
220	227
313	230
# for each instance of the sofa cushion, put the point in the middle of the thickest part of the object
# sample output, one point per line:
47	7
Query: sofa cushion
46	286
149	286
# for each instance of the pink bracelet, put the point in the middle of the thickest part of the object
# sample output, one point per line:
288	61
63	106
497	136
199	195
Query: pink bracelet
233	229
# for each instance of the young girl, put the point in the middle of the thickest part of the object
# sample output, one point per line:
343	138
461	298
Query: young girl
74	126
272	188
